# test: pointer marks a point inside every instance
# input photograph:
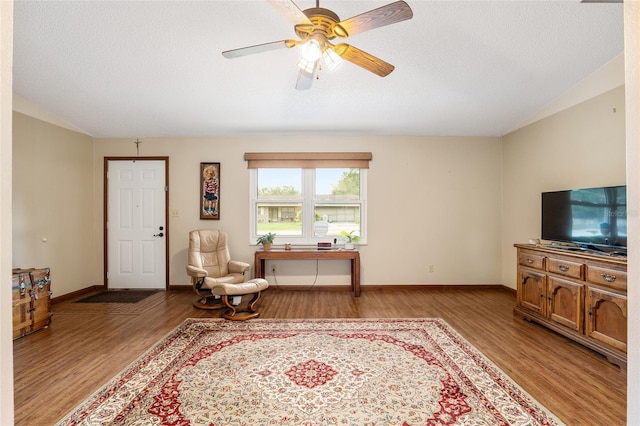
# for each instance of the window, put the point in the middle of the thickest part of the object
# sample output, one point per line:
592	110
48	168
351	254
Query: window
304	205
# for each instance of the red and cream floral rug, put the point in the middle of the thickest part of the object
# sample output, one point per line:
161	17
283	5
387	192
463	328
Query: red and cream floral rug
312	372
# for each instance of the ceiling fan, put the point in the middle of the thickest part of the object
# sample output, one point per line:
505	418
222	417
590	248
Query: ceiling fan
316	27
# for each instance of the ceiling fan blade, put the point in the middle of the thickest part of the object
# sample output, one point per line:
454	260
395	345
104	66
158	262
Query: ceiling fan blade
363	59
390	14
290	11
305	78
258	48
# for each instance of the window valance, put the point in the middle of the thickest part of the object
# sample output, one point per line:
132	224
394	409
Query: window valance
307	160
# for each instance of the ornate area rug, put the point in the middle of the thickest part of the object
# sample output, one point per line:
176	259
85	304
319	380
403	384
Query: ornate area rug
312	372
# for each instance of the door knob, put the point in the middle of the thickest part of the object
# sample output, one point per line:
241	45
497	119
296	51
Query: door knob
158	235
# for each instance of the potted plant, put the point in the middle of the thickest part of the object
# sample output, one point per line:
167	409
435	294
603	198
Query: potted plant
266	240
351	239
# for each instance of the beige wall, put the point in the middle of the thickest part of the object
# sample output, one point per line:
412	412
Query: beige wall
580	147
53	201
431	201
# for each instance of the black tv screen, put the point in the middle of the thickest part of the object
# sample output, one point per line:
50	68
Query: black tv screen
590	216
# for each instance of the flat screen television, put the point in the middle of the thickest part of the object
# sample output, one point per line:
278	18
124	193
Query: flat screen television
589	218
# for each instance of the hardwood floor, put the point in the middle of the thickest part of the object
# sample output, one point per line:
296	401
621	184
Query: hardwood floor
88	344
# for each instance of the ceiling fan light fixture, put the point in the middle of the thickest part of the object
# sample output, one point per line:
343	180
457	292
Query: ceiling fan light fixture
306	65
311	50
331	59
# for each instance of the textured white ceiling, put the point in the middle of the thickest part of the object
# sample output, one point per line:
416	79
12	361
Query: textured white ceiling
145	69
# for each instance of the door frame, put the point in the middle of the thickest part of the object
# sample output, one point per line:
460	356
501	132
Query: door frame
105	191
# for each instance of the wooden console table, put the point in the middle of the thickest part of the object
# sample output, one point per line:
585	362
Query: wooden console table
311	254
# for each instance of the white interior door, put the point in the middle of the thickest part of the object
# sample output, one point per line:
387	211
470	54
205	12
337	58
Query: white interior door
136	228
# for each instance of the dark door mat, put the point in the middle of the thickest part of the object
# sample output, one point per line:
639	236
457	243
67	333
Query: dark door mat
117	296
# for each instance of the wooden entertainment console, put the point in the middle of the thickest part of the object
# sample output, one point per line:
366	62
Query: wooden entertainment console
580	295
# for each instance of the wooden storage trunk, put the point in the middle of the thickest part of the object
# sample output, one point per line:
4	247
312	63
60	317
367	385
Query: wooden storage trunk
31	290
21	302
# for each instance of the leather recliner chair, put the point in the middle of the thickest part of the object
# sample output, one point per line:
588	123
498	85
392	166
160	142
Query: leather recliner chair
216	278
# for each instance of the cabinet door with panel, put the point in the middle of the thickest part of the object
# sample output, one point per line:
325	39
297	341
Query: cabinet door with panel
565	303
531	291
606	319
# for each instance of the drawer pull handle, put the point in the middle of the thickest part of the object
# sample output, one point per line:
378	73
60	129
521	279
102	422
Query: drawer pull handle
563	268
608	277
529	260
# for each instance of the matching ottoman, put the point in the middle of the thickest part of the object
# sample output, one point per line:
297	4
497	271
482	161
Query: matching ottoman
227	291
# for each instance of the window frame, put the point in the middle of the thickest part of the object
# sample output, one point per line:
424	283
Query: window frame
308	163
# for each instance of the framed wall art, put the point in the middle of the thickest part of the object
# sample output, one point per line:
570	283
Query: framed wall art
210	191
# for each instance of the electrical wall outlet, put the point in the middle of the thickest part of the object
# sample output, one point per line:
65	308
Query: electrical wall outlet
430	268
